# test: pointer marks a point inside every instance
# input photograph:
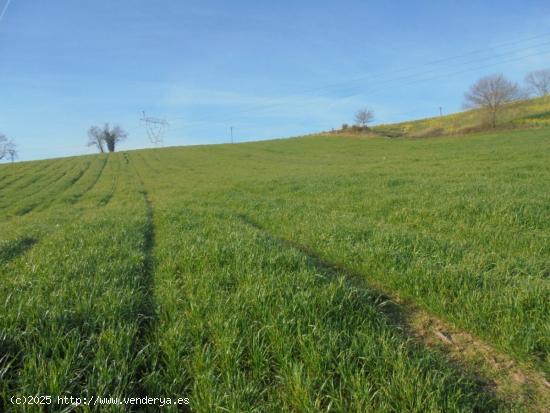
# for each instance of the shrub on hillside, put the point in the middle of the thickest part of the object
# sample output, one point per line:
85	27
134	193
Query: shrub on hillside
427	133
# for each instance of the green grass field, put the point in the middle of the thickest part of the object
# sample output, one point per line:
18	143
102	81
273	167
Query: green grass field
248	277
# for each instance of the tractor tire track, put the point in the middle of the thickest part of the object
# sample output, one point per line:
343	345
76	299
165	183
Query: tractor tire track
147	311
507	379
41	203
45	173
79	195
104	201
9	179
20	246
7	182
22	210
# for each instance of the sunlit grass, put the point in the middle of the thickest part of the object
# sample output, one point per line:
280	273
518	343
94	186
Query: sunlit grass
525	113
194	272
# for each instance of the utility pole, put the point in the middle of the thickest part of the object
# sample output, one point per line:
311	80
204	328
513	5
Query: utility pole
440	111
231	134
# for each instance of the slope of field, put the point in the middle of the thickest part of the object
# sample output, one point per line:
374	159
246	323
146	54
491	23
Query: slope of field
529	113
223	273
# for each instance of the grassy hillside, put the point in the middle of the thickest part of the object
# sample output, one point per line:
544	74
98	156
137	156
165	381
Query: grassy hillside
530	113
224	273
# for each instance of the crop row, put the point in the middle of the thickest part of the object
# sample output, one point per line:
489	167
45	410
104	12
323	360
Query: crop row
74	305
457	226
245	323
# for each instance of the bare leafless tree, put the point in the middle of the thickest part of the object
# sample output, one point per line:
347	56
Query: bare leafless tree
364	116
491	93
7	148
106	137
95	138
538	82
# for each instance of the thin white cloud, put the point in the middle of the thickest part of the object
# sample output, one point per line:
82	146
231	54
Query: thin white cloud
182	96
3	12
255	109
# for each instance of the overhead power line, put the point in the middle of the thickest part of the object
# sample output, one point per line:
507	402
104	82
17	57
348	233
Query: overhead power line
415	78
378	89
401	70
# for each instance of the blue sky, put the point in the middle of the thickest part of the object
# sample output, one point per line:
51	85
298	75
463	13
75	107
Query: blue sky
269	69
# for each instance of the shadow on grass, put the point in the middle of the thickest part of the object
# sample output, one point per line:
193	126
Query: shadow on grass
12	250
396	313
399	315
148	314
